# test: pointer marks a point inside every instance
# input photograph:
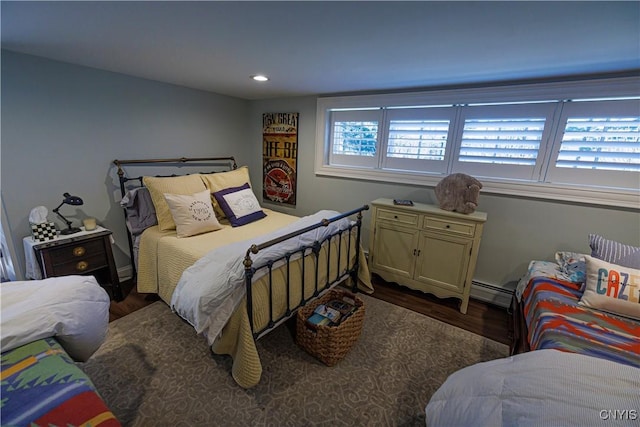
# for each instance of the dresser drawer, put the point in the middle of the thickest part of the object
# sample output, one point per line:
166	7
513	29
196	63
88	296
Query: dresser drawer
441	224
81	265
404	218
77	251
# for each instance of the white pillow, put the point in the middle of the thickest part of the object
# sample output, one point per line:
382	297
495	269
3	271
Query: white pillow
193	214
74	309
239	204
612	288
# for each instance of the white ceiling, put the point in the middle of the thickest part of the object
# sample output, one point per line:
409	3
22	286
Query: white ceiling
315	47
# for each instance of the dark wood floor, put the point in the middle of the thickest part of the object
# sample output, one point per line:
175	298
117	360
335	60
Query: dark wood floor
484	319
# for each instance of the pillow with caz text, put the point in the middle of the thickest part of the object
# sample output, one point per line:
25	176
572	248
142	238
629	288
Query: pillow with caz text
611	287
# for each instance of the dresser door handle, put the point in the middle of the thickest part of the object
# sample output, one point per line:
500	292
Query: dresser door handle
447	226
395	217
82	266
79	251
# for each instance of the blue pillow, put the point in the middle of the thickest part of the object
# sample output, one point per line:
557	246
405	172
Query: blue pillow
239	205
614	252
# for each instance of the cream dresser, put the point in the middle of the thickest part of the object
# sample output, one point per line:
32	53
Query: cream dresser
426	248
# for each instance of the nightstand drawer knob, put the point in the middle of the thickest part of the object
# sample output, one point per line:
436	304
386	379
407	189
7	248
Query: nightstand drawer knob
82	265
79	251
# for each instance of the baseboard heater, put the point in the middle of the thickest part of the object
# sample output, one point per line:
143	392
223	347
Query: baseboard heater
491	293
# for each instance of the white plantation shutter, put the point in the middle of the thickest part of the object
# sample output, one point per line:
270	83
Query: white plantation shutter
503	140
598	143
354	138
508	141
417	138
569	140
601	143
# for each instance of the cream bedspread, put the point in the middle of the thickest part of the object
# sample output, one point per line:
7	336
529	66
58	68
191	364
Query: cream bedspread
163	257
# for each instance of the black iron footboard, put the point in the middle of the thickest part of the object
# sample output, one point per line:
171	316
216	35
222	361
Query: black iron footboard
350	271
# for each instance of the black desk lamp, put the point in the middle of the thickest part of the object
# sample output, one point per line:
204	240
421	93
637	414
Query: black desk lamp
73	201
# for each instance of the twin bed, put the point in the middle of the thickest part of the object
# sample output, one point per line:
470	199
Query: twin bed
239	280
47	325
576	351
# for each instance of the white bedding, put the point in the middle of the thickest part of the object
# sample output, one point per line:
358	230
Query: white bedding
209	291
74	309
539	388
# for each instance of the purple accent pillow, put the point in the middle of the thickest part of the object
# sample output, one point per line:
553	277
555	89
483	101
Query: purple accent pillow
239	205
614	252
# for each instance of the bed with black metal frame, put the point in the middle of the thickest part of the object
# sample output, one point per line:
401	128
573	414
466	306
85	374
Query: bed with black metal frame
324	277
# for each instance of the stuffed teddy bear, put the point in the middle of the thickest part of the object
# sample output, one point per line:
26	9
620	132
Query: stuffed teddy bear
459	193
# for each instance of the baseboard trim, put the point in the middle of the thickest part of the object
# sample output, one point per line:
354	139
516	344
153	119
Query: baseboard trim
125	273
491	293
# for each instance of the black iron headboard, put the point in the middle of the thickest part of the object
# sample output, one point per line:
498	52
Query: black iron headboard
229	162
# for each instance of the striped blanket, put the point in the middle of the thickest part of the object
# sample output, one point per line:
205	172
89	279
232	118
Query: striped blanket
41	386
555	320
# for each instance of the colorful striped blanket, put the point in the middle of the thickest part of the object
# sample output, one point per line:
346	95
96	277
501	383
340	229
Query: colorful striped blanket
555	320
41	386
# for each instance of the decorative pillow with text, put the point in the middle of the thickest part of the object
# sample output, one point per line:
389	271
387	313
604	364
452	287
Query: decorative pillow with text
158	186
193	214
239	205
222	180
612	288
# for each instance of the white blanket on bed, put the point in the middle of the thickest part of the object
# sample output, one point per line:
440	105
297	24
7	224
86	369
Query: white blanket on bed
539	388
74	309
210	290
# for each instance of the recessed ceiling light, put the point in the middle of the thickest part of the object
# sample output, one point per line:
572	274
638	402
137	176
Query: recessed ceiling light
260	78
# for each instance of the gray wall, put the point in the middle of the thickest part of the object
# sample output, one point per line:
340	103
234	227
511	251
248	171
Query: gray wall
517	231
63	125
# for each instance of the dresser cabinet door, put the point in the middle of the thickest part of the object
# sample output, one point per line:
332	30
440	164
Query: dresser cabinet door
443	260
394	249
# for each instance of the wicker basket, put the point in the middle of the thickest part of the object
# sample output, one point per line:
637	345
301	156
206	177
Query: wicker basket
329	344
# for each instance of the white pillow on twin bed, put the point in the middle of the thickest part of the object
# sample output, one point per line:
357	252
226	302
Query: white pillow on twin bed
612	288
74	309
193	214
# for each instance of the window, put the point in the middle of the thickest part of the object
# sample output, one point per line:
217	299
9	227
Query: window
599	144
576	141
354	138
417	138
503	141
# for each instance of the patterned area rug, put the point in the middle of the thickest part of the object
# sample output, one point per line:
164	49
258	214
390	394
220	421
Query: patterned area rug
153	370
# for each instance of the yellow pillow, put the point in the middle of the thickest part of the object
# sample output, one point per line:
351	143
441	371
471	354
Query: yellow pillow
222	180
158	186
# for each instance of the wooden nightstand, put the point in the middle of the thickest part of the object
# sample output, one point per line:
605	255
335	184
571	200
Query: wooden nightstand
85	253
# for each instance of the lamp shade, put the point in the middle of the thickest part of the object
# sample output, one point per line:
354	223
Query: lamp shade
72	200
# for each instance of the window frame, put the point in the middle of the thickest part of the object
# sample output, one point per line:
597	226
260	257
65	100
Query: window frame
602	88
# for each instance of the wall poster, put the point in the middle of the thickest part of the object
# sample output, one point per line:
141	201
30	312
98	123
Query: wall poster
280	157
